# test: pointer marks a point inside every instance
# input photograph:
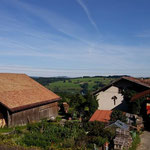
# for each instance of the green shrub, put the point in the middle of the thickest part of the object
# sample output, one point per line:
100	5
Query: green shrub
135	142
96	128
44	134
51	135
118	115
18	130
36	139
98	140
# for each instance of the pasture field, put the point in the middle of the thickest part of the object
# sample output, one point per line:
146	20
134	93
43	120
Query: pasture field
75	85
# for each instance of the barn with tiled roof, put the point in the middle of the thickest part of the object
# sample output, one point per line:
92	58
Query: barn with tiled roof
23	100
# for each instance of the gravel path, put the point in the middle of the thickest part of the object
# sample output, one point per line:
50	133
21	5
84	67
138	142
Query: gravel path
145	141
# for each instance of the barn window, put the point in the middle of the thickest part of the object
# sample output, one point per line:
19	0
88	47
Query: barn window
114	99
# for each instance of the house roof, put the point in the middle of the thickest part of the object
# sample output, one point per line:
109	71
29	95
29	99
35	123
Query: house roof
101	115
119	124
142	82
140	95
18	91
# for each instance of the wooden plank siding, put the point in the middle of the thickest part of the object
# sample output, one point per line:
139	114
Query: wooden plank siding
33	114
23	100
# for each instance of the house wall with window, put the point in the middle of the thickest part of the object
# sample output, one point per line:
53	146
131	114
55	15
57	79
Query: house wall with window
110	99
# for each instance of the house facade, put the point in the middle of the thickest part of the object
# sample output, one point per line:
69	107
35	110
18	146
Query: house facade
23	100
111	97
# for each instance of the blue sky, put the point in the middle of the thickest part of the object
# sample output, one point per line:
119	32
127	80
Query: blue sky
75	37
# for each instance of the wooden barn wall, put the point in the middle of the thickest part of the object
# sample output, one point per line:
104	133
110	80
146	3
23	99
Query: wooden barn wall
34	114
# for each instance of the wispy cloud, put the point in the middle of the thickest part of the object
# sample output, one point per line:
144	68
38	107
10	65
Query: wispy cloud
84	7
46	72
50	72
41	37
57	21
97	54
74	33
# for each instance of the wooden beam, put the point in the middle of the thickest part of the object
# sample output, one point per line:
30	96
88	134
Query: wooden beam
9	118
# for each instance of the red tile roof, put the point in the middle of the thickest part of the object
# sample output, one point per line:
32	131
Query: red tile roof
101	115
18	91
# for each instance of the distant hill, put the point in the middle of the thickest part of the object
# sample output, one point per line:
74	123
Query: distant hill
46	80
66	85
75	85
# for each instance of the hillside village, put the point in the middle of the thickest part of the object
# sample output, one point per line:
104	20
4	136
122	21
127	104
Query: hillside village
112	116
74	74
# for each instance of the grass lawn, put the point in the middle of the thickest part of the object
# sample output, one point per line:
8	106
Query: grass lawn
8	130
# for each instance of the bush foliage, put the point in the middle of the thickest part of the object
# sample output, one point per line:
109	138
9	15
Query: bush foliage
71	135
135	143
118	115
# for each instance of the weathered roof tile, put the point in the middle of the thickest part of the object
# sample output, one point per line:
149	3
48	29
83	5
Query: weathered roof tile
101	115
18	91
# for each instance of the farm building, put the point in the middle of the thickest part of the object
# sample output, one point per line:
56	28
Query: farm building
23	100
110	97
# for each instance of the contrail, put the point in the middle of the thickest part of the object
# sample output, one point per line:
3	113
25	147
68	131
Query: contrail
80	2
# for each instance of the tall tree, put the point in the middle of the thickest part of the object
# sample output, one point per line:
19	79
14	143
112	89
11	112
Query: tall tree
85	105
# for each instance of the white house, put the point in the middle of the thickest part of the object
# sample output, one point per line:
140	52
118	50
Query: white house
110	97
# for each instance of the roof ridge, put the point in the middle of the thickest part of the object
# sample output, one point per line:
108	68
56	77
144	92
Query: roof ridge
138	79
13	73
132	79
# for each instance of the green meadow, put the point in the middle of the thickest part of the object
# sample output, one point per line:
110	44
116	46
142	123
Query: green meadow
75	85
